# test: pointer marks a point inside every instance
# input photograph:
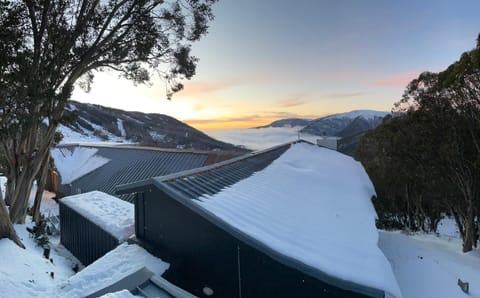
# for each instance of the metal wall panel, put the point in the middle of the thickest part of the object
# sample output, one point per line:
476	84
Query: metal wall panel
83	238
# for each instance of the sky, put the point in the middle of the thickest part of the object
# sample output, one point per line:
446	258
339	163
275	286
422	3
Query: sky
272	59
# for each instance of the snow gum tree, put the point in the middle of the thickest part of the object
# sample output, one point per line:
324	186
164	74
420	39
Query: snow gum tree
427	159
49	46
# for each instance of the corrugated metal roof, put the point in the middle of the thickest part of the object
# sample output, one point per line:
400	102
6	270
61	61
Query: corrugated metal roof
131	164
188	187
214	180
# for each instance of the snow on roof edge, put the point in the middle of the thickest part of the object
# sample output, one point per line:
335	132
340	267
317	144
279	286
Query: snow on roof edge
125	259
112	214
222	222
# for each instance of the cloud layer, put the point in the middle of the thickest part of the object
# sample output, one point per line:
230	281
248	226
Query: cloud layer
262	138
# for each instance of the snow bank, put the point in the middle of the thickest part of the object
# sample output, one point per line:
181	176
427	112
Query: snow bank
314	205
115	265
77	163
115	216
25	272
448	227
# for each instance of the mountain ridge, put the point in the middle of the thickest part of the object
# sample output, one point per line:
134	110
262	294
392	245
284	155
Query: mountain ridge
96	123
335	124
287	122
345	124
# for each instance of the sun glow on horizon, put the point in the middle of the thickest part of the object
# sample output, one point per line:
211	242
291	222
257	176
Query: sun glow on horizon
302	61
207	108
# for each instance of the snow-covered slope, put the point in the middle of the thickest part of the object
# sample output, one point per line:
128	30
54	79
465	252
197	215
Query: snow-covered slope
288	122
367	114
344	123
95	123
25	272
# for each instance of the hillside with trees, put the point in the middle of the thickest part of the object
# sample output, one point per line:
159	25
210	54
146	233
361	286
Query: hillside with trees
425	161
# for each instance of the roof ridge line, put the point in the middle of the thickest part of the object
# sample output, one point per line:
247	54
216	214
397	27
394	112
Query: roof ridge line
135	147
124	188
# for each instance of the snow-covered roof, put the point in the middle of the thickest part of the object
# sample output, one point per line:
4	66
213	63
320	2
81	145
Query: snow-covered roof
306	203
312	204
77	163
119	294
88	167
115	216
115	265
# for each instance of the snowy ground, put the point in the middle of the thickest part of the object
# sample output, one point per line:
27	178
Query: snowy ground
27	273
429	266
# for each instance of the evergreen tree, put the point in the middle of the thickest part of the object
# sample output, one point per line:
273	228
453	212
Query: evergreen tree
427	158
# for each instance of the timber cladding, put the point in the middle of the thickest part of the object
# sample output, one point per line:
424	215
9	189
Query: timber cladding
83	238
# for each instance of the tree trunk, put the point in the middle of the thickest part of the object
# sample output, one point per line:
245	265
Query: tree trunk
40	188
458	221
9	191
36	149
18	211
6	227
469	228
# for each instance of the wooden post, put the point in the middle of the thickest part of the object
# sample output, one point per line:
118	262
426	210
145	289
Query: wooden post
463	285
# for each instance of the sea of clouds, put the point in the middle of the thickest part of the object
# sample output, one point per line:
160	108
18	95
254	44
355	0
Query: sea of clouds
260	138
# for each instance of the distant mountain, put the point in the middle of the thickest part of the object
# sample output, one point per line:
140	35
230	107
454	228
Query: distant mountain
101	124
289	122
345	124
367	114
359	125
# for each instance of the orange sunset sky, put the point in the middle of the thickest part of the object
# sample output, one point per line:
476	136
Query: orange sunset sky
266	60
